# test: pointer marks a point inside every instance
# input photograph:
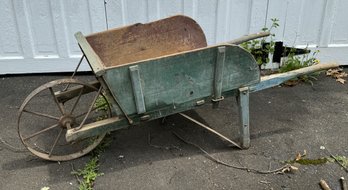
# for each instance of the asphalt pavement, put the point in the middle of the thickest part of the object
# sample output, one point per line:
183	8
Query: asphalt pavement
284	121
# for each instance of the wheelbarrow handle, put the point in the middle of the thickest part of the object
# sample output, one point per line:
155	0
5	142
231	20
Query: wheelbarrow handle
249	37
273	80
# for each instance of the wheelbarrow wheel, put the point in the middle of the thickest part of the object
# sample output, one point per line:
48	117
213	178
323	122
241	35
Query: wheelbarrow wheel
52	109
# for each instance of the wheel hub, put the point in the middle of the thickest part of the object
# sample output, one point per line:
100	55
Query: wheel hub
65	120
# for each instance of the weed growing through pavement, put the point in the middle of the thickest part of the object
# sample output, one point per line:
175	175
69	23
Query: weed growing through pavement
90	172
342	160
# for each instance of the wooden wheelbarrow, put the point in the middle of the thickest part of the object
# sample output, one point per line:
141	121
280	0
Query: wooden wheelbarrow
143	72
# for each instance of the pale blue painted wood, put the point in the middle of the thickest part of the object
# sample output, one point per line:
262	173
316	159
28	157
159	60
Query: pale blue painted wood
183	78
243	105
137	89
218	76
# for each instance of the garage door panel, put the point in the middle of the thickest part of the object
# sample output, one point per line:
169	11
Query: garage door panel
38	35
41	28
9	39
311	21
340	24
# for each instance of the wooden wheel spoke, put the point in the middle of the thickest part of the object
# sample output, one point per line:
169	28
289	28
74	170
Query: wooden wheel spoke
42	114
77	100
60	105
55	142
39	132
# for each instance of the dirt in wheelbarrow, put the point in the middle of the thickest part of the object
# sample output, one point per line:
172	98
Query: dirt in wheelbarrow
284	121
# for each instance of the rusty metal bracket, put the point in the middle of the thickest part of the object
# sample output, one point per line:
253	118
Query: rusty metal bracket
218	99
89	110
75	71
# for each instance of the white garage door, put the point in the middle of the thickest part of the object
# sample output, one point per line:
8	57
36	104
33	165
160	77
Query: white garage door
37	35
317	24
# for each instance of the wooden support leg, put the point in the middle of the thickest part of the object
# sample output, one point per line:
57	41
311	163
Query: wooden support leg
243	105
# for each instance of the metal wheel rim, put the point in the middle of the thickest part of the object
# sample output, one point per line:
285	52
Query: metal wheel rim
45	156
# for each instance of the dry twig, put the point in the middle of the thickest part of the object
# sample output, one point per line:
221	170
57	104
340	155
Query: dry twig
324	185
346	169
160	147
286	167
211	130
74	172
343	183
265	182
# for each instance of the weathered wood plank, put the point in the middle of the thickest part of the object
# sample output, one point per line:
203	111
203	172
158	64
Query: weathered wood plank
93	59
218	71
181	78
96	128
277	79
249	37
120	122
72	92
138	42
243	105
137	89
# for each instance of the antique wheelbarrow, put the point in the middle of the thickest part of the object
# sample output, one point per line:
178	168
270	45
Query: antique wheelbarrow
143	72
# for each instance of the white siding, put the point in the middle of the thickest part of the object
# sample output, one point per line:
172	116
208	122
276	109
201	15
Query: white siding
37	35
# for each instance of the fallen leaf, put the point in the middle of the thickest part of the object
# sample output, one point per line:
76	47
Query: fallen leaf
298	157
341	80
342	75
332	72
338	74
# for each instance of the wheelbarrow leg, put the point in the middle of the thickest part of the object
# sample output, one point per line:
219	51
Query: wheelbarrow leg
243	106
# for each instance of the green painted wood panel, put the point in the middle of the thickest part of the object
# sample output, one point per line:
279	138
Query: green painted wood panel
182	79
